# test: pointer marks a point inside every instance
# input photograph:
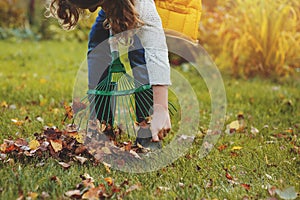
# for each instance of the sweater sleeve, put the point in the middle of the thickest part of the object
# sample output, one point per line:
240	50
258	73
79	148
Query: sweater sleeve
153	40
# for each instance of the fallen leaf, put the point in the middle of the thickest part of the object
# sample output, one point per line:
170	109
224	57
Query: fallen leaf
40	119
135	154
56	145
228	176
254	130
32	195
20	142
92	194
82	160
236	148
222	147
79	138
133	187
4	104
44	195
68	112
181	185
64	165
17	122
56	179
164	189
246	186
80	150
34	144
288	193
109	181
3	147
107	167
73	194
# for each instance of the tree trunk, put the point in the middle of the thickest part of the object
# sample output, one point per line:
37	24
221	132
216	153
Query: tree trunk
31	12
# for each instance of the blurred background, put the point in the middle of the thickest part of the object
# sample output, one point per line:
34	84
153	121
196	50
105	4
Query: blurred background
246	38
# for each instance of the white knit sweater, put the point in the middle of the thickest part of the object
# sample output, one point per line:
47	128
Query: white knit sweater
153	40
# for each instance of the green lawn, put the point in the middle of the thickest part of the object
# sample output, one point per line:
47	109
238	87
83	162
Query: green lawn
37	78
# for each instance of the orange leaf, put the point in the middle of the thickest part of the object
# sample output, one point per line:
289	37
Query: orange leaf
228	176
68	111
222	147
246	186
109	181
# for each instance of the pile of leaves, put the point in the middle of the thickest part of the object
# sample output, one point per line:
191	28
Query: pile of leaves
63	145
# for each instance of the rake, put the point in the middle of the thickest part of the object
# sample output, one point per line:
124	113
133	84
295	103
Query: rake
117	103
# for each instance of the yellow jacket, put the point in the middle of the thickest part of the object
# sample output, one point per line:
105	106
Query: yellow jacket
181	16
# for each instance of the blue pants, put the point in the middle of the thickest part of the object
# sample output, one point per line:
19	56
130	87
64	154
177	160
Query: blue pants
99	35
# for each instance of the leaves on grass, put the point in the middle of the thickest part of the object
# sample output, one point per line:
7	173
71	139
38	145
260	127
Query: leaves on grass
88	190
238	125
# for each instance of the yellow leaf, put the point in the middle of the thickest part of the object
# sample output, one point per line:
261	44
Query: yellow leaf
234	125
236	148
4	104
56	145
17	122
32	195
79	138
107	167
3	147
34	144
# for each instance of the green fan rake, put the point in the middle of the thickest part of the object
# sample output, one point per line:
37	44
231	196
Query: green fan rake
117	103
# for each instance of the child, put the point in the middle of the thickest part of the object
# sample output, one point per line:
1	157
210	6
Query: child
99	34
123	15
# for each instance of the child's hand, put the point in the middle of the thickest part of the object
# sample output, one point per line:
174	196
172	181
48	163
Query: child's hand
160	124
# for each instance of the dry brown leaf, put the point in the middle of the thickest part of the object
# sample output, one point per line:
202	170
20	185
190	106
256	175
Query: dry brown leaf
64	165
92	194
137	186
82	160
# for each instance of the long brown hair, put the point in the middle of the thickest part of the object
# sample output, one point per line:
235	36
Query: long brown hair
121	14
